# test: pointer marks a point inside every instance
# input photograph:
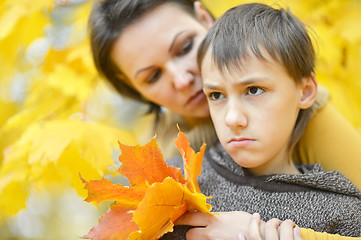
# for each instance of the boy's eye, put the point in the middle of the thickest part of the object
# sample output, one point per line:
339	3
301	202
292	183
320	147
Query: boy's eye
154	76
255	91
215	96
187	46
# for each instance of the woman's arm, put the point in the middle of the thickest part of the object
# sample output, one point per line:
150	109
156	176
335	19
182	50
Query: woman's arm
309	234
331	141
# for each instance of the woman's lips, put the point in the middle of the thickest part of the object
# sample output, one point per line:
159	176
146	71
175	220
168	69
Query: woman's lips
196	98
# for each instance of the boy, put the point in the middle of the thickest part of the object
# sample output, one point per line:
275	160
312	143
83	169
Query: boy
257	68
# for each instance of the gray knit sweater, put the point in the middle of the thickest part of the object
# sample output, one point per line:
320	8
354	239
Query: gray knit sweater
322	201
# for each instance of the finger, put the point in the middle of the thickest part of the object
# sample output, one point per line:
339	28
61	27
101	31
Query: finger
254	227
297	233
241	237
195	233
197	219
286	230
271	229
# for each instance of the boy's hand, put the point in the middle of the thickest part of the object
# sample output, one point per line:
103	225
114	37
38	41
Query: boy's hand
274	229
237	225
225	225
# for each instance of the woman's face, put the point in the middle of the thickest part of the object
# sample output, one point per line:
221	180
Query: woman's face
157	54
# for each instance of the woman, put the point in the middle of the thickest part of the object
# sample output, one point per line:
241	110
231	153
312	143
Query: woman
147	50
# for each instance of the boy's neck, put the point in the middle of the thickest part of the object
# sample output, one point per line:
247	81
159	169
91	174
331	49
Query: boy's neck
287	168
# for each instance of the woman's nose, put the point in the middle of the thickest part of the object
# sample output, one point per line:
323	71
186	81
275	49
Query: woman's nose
182	78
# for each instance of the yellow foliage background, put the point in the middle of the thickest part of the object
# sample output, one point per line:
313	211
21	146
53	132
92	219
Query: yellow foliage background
59	119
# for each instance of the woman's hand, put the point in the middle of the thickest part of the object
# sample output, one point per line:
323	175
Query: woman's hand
238	226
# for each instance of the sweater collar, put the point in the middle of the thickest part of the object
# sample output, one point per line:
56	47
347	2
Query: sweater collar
312	177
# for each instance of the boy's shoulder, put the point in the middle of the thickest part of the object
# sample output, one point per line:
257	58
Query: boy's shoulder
314	176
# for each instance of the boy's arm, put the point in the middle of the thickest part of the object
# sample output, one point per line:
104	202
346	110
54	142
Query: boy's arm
331	141
309	234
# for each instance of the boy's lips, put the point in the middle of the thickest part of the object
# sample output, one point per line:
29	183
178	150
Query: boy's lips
196	98
241	141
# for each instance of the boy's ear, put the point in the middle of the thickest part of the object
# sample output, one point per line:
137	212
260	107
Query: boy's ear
308	91
203	15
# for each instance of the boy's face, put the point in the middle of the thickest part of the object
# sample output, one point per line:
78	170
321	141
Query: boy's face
254	111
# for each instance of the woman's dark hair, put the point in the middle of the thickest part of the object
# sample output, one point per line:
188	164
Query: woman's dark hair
254	28
107	21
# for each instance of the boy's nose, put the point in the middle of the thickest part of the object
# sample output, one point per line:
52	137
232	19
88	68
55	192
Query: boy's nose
236	117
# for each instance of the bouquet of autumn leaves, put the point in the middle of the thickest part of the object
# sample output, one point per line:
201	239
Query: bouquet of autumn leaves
157	196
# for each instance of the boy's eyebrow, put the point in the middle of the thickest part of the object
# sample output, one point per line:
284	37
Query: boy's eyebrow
243	82
210	86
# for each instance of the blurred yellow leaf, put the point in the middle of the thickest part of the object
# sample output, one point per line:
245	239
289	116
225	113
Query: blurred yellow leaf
56	151
9	18
69	82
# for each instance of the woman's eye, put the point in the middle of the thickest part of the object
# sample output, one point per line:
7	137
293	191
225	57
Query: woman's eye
187	46
154	76
215	96
255	91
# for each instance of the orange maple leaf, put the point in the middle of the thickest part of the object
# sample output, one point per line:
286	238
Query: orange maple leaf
105	190
146	164
157	197
191	163
114	224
